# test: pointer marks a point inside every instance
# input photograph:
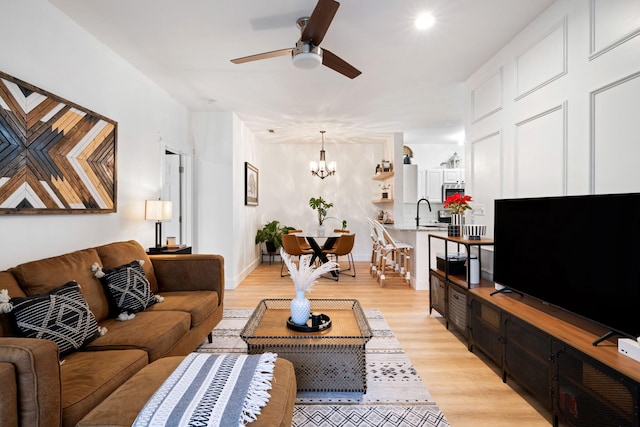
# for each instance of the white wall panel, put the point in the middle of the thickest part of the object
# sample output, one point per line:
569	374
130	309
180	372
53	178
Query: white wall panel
540	154
486	98
615	136
613	22
487	173
543	62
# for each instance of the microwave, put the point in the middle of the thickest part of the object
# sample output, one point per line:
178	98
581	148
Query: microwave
450	189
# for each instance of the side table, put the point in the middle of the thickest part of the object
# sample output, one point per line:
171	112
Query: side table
168	251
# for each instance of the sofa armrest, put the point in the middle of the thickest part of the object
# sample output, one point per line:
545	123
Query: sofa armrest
36	378
193	272
8	395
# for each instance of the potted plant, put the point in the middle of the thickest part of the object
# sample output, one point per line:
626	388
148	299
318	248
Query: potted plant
271	235
457	204
321	206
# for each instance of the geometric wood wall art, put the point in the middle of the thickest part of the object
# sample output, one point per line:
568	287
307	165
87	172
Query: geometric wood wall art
55	156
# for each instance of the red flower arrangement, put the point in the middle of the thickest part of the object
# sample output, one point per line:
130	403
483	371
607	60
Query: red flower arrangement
457	203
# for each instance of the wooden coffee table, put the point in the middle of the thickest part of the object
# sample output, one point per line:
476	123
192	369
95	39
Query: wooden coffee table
330	360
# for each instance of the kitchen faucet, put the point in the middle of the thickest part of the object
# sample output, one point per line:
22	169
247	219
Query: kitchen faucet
418	210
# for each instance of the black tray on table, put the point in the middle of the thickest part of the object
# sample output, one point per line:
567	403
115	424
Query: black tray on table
324	322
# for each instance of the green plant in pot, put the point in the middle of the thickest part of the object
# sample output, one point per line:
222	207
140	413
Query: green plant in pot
320	205
271	235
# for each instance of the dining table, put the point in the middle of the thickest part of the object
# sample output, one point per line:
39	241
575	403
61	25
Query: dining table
318	249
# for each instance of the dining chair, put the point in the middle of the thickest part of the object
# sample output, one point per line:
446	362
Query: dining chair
292	247
304	245
344	247
338	231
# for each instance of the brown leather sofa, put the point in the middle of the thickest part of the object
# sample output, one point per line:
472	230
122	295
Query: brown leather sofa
38	389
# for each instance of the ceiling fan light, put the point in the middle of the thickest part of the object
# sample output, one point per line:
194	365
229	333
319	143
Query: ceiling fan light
307	60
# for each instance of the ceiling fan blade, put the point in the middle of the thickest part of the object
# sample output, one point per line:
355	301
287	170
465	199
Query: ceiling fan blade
265	55
338	64
319	21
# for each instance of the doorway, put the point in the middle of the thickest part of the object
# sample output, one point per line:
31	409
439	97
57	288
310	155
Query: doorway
174	189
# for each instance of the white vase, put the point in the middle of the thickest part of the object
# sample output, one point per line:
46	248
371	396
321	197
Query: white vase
300	308
321	230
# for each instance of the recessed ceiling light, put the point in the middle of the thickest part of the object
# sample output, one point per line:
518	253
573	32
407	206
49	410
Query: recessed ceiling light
424	21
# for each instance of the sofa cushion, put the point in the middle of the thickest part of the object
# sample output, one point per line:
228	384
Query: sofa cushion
199	304
154	332
42	276
61	316
115	254
87	378
122	407
9	282
128	287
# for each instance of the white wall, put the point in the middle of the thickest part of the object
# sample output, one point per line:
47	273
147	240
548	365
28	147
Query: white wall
43	47
246	218
556	111
286	185
225	225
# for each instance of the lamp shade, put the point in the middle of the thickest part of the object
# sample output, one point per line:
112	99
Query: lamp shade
158	210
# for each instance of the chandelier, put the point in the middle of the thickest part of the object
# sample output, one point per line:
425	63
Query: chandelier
322	169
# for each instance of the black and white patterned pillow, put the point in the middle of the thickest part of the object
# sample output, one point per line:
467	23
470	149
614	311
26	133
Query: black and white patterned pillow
129	287
62	316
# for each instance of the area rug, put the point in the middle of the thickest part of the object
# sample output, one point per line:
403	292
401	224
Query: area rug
396	395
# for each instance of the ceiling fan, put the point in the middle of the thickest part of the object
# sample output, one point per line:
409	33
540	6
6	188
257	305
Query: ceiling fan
307	53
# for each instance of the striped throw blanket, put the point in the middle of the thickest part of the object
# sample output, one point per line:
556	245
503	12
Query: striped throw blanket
211	390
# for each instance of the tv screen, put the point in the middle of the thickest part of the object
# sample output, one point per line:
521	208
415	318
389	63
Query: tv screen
579	253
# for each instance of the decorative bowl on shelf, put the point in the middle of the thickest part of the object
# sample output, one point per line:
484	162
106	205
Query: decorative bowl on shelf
474	231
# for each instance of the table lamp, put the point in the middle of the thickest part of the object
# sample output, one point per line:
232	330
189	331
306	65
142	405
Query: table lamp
158	210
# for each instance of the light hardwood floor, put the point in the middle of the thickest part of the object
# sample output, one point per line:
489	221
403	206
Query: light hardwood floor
466	386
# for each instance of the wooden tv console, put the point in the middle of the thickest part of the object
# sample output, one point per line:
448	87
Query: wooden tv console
552	355
547	350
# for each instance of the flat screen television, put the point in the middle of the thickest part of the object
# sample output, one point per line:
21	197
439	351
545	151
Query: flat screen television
578	253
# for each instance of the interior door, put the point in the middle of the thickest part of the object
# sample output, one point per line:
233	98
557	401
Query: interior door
172	190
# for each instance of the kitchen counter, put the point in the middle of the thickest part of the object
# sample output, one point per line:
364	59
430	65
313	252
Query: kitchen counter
439	226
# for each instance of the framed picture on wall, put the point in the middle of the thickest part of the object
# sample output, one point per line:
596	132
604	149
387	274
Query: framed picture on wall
56	157
250	184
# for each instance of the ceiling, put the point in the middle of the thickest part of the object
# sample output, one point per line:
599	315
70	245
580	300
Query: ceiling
412	81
